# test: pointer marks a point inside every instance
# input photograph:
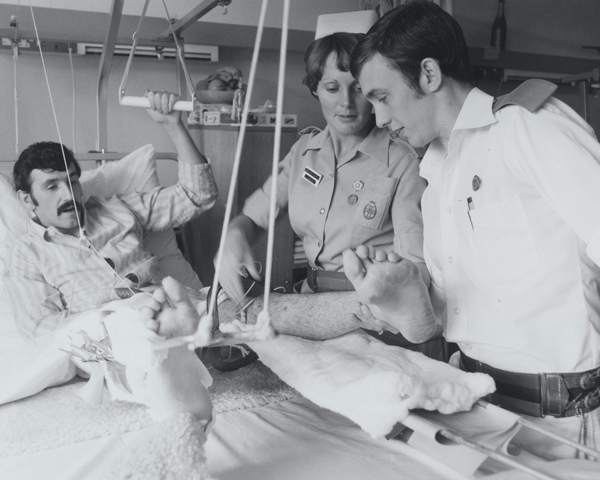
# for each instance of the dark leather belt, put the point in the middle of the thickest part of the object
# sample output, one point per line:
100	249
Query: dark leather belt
538	395
321	281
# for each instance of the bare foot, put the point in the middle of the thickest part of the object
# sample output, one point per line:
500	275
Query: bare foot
393	287
170	312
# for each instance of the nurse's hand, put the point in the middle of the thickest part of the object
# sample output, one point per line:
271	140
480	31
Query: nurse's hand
370	322
238	255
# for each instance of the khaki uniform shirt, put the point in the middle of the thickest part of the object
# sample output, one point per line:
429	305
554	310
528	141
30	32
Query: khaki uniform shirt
371	199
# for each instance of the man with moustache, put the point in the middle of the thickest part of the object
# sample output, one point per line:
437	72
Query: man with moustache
76	254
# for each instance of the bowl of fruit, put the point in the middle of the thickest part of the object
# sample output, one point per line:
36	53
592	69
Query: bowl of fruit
219	87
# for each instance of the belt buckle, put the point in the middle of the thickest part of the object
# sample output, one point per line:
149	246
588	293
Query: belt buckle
554	395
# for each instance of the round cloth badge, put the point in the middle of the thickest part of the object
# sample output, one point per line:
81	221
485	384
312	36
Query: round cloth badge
352	199
370	210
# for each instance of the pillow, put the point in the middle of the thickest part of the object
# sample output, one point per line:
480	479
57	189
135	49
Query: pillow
137	173
13	223
134	173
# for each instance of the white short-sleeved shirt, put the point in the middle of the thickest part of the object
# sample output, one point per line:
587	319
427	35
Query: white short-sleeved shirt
512	236
372	199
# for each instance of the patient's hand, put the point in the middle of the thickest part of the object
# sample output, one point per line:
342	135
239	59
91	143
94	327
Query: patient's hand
161	107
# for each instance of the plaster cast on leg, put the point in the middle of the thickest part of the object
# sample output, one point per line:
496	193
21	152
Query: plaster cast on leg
177	385
394	290
175	391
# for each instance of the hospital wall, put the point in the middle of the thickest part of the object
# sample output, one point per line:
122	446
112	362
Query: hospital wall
556	27
128	127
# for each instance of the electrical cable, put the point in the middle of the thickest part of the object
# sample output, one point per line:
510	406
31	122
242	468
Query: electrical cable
212	300
15	52
74	144
16	95
82	236
276	152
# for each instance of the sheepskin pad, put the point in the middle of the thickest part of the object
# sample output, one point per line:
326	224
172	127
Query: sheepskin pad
58	416
371	383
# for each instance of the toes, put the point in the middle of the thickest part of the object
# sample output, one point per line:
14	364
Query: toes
176	292
380	256
353	267
393	257
152	325
362	252
159	295
147	313
153	304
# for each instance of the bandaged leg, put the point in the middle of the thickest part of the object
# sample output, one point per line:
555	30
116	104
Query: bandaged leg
169	381
394	290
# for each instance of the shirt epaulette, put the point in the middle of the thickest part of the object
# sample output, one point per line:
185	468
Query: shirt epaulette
307	130
531	95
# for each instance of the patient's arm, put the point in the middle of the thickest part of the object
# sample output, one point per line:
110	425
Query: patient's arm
161	110
316	316
394	289
196	190
38	306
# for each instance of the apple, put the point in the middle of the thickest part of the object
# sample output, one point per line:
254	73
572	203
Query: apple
217	84
202	85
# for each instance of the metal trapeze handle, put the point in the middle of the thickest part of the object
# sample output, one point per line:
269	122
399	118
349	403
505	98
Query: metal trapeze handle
181	105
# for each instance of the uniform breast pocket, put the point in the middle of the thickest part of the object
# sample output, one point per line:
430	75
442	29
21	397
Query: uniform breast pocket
504	244
374	202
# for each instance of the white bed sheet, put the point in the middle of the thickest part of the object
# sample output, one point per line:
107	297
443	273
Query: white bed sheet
291	440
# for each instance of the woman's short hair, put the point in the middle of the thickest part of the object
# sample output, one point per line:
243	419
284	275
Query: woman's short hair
414	31
342	44
42	156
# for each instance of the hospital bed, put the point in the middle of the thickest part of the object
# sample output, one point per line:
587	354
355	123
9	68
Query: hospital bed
265	429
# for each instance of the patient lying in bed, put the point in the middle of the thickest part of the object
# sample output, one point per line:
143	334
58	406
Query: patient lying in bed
77	256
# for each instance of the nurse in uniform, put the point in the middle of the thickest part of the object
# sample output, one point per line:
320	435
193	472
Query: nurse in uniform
349	184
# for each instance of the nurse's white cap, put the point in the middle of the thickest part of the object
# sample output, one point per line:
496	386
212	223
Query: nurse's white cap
351	22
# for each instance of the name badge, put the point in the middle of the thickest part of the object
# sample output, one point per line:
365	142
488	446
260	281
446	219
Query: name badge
312	176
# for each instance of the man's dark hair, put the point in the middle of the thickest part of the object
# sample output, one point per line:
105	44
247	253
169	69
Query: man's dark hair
43	156
411	32
341	44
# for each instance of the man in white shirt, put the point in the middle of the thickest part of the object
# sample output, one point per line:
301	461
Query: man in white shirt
511	217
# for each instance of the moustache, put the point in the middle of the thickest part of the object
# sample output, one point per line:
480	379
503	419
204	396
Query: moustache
68	206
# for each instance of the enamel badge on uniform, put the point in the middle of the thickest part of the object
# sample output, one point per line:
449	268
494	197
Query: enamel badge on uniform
312	176
370	210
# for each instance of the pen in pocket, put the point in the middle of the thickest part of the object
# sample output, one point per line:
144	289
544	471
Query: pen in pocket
470	206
